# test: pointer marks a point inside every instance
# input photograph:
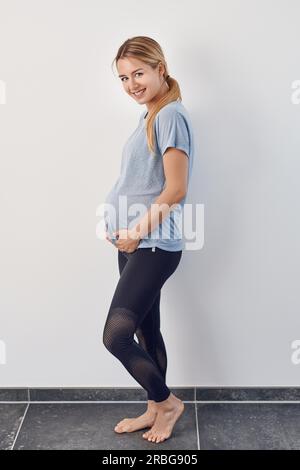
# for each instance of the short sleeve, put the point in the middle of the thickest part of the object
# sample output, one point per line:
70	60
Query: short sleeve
172	131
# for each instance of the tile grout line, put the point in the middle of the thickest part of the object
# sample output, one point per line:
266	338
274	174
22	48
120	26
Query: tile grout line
248	401
197	427
22	420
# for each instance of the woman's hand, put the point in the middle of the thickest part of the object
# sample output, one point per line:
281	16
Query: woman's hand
128	240
107	238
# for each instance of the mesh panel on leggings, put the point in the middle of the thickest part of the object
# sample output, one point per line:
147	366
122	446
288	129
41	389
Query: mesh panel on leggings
118	337
153	344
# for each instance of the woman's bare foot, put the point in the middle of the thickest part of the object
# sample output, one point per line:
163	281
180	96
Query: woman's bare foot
146	420
169	411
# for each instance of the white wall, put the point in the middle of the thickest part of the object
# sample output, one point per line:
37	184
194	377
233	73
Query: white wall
231	312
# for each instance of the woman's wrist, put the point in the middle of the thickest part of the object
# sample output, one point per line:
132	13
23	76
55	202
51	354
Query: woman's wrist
135	234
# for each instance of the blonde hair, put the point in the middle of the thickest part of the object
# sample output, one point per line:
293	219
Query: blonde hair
149	51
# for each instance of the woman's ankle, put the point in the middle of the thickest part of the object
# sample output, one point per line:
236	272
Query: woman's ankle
152	405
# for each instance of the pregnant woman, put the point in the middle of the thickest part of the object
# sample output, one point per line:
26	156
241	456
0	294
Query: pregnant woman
156	166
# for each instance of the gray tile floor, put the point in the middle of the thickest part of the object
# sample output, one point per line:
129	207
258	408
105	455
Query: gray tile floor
217	425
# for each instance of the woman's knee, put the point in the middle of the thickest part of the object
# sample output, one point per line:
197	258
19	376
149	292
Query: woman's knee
119	329
108	338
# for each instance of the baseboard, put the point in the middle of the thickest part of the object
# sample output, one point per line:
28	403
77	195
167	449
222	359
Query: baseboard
126	394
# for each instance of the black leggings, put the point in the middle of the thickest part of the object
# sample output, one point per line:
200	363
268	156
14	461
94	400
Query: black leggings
134	309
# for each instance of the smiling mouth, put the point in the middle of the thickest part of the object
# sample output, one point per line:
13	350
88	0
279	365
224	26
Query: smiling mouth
140	92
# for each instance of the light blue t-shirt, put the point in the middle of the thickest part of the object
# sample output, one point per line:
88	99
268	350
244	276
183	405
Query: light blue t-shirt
142	178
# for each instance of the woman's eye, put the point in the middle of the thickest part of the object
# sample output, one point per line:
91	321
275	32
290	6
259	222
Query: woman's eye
138	73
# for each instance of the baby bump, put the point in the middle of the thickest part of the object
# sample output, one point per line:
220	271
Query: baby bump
125	210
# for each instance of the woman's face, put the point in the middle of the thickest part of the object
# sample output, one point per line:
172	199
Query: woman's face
135	75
